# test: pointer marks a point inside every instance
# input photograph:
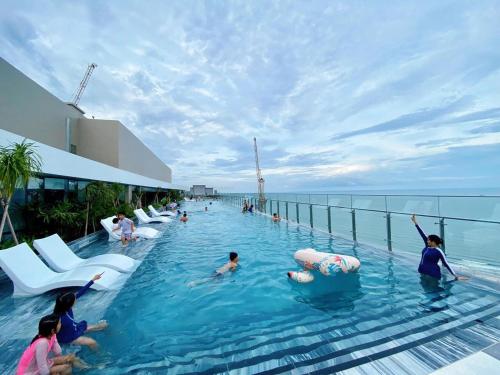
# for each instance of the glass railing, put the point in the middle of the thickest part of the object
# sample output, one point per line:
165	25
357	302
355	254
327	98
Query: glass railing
468	225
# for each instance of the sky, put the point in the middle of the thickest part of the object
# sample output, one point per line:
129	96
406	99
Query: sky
341	95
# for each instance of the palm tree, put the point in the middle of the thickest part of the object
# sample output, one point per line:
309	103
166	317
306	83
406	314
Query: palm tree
18	162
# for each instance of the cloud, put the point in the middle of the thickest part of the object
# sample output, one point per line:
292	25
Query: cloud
334	97
421	117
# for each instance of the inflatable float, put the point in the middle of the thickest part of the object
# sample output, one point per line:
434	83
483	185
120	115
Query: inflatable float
326	263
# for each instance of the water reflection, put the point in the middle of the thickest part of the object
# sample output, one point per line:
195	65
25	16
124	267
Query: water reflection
334	293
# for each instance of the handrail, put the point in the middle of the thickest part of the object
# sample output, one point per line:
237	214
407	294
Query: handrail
391	212
376	195
441	219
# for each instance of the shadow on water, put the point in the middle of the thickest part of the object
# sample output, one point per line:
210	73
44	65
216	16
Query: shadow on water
329	294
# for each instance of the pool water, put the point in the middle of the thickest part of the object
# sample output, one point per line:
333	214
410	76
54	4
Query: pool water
255	320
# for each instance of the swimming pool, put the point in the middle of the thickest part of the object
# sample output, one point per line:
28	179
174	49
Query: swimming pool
256	320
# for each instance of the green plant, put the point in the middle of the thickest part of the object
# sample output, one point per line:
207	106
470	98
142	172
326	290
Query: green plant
118	190
62	217
10	242
18	162
100	199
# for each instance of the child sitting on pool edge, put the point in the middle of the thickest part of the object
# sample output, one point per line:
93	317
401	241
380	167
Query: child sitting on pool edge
231	265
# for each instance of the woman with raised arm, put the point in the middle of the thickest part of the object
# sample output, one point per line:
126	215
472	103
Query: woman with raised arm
432	254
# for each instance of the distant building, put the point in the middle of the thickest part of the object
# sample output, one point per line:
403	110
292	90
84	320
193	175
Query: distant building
198	190
202	191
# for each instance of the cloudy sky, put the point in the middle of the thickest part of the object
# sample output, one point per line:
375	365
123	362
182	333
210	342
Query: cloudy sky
340	94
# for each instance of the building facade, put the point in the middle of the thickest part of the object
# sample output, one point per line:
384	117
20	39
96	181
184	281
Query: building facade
30	111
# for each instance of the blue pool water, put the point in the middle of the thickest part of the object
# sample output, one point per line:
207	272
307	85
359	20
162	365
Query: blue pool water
256	320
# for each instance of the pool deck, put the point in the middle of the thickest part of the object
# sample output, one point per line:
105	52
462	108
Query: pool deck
486	361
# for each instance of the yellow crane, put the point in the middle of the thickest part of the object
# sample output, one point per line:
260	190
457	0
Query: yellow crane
260	180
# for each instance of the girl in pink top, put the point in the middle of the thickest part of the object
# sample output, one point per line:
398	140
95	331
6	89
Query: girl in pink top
35	359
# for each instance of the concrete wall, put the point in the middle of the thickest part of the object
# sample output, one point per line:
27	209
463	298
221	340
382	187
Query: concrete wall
29	110
137	158
110	142
98	140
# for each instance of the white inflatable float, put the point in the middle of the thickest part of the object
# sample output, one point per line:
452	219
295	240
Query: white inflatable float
326	263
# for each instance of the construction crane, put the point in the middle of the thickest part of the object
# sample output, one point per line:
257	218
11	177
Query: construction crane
260	180
83	84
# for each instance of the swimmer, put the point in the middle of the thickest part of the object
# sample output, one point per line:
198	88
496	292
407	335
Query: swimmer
431	255
250	209
184	217
276	218
231	265
206	208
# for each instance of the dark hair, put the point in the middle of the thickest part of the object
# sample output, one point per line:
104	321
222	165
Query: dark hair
185	214
121	213
435	238
115	220
64	302
233	255
46	325
275	214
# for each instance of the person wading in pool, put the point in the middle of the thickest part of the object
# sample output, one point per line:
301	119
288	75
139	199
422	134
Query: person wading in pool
184	217
72	331
431	255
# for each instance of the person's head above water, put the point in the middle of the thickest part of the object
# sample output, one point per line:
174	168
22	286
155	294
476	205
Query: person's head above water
185	214
48	326
275	214
434	240
233	257
64	302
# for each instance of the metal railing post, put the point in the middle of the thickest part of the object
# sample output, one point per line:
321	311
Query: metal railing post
329	220
389	234
297	209
311	214
441	233
353	216
286	210
270	206
278	203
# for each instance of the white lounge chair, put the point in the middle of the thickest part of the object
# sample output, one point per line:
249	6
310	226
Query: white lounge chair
155	213
31	276
60	257
141	232
145	219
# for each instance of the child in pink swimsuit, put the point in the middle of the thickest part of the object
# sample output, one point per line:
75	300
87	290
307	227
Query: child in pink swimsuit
35	359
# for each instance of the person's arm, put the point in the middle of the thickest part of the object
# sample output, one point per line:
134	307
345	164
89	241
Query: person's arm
420	231
56	348
445	263
41	354
83	290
